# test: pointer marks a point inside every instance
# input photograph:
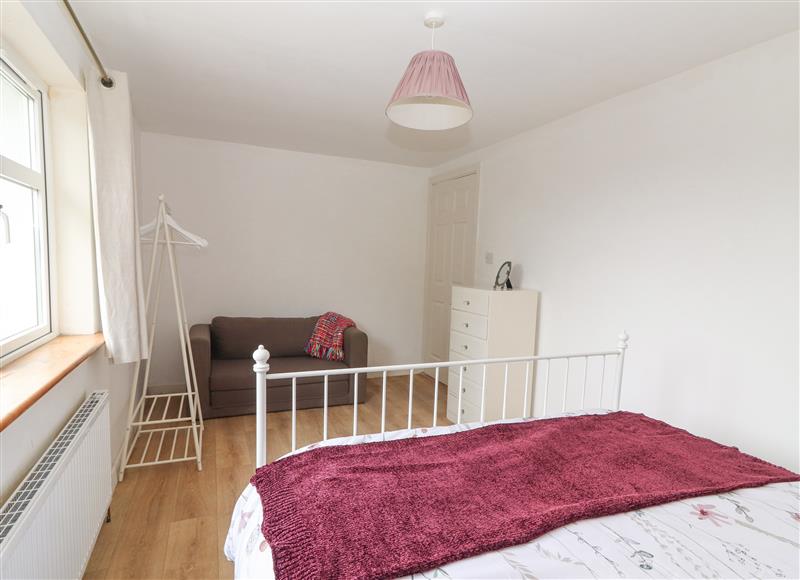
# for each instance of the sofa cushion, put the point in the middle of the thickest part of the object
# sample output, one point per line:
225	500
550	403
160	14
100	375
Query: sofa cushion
237	338
235	374
280	398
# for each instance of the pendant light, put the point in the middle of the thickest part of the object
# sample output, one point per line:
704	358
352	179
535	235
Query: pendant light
430	96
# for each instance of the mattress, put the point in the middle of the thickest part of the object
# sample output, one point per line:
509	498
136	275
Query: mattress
745	533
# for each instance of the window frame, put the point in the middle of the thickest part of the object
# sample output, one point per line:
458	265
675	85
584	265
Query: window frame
22	343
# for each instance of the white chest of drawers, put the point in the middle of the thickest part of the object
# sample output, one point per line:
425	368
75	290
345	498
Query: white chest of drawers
490	324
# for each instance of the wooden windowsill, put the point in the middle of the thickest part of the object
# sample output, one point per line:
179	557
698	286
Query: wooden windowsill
27	379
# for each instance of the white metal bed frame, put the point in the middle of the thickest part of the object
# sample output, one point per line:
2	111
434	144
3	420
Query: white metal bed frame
261	368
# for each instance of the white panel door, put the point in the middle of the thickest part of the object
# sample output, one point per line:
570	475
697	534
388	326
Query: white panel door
452	229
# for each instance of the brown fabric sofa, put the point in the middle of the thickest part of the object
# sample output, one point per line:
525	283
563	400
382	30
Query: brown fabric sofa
223	362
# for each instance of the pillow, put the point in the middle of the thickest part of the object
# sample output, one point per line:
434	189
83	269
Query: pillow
238	337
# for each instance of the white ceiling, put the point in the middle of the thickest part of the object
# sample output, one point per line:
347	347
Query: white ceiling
316	77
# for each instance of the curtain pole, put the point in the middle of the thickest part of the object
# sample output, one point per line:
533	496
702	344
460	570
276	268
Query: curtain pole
106	79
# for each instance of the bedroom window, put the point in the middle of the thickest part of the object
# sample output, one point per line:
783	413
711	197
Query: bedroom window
25	309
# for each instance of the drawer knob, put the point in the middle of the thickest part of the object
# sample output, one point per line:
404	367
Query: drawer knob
466	347
463	389
464	369
466	302
466	325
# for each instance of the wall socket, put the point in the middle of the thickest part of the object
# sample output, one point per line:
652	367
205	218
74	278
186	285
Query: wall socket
489	258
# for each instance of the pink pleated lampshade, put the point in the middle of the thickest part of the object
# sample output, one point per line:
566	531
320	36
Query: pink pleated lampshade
430	96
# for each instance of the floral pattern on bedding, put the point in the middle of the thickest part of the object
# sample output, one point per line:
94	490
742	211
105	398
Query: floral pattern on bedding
745	533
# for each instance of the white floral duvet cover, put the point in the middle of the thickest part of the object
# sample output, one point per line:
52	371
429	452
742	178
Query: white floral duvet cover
741	534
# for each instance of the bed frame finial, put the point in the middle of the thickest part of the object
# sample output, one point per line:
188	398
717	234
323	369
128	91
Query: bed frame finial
261	356
623	341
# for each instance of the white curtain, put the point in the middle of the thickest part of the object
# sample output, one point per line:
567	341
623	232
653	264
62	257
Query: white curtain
119	269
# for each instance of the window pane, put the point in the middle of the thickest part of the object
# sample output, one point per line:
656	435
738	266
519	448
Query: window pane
17	124
21	299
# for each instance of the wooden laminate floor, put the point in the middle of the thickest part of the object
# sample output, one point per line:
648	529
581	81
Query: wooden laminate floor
170	521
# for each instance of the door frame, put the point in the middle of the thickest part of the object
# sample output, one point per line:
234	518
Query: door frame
464	171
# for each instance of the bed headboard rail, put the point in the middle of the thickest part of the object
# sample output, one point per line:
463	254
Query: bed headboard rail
536	368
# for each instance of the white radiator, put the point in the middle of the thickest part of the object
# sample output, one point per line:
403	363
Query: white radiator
49	525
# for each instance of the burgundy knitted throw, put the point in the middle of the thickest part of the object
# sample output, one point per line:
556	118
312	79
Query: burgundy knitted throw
386	509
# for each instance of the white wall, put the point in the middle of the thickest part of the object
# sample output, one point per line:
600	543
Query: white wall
290	234
24	440
55	23
672	212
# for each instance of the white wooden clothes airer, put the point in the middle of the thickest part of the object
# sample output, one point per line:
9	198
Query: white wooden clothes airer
164	428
